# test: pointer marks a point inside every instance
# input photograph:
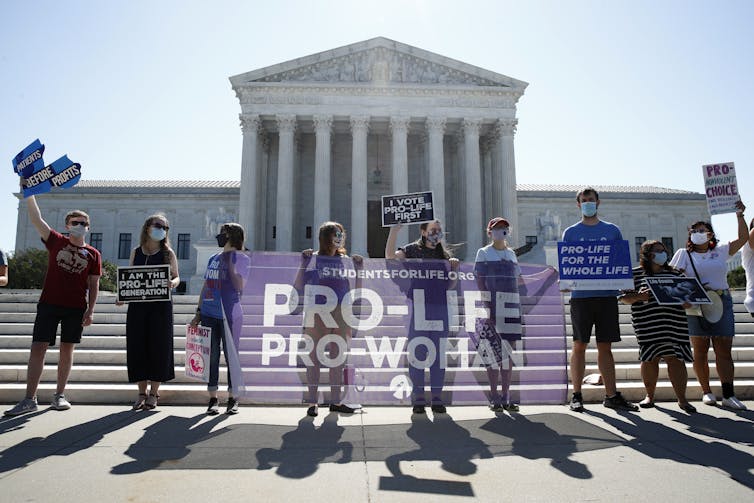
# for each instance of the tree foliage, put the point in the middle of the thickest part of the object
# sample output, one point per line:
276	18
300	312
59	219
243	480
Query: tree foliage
27	270
737	278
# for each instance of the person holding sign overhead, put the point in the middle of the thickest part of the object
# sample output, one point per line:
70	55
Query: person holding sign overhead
68	297
705	259
594	308
661	330
428	246
149	325
226	272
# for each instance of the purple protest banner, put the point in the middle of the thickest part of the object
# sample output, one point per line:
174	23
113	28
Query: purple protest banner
379	316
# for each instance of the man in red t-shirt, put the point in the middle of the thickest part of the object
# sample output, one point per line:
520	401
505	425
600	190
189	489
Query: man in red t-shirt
68	298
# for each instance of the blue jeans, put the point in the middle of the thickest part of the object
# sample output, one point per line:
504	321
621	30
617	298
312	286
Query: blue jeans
218	335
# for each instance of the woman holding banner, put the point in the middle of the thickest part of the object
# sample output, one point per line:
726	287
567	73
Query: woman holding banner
149	325
661	330
705	259
329	257
220	301
497	270
428	246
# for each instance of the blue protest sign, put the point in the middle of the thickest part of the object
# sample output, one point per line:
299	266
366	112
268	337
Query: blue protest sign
61	173
595	265
29	159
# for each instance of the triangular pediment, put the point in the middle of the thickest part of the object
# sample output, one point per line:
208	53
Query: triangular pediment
378	61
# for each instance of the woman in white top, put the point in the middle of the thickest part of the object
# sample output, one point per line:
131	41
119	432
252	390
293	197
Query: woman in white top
747	255
704	258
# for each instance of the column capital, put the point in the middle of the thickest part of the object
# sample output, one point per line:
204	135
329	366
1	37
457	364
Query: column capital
360	123
249	123
506	127
471	126
399	124
286	123
436	124
322	123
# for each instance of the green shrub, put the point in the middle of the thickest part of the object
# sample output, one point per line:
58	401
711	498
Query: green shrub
737	278
108	280
27	270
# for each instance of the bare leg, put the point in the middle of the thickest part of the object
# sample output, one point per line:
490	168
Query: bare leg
679	377
492	373
35	367
723	358
649	373
65	362
142	387
606	364
578	364
701	364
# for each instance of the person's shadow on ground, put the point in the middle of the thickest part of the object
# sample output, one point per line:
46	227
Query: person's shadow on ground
63	442
303	449
662	442
166	440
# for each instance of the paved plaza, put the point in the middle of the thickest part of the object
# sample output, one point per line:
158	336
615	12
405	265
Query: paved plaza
544	453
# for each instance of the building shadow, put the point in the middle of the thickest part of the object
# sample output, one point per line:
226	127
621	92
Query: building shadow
658	441
64	442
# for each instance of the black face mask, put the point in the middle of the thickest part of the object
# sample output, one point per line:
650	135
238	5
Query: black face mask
221	240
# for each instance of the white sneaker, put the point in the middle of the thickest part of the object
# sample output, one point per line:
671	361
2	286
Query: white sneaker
23	407
59	402
733	403
709	399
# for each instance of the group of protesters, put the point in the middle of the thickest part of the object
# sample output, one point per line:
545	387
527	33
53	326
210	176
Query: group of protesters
664	332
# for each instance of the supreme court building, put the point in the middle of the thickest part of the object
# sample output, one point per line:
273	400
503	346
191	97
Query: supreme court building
326	135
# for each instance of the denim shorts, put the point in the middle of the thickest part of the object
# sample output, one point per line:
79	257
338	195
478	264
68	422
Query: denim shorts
726	327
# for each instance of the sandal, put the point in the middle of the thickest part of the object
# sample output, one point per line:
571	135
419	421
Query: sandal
312	411
687	408
647	403
151	401
139	403
342	408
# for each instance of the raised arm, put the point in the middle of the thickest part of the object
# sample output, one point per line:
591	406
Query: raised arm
390	248
35	217
743	231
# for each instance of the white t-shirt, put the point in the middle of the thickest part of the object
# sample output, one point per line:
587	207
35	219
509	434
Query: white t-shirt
491	254
747	260
711	266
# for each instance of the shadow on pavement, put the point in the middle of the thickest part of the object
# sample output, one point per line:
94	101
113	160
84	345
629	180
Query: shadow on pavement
662	442
64	442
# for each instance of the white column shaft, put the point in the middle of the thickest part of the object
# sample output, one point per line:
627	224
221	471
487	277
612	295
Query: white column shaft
284	205
474	236
436	127
399	128
247	204
358	231
510	197
322	162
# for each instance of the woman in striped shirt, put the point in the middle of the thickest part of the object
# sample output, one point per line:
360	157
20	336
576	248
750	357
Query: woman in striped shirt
661	330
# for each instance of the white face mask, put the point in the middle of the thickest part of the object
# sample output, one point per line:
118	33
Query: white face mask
77	231
660	258
699	238
157	234
499	234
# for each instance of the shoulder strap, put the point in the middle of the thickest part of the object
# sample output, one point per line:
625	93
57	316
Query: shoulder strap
691	259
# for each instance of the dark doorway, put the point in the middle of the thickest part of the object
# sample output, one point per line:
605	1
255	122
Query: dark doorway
376	233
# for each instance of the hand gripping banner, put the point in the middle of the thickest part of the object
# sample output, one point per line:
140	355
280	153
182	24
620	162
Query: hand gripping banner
379	331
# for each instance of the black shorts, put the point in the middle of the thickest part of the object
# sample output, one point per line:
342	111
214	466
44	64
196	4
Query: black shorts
598	312
48	317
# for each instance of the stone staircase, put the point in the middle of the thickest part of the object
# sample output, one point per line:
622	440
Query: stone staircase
99	372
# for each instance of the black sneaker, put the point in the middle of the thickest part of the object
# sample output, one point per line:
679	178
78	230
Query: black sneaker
212	408
342	408
439	408
618	402
419	409
577	403
232	406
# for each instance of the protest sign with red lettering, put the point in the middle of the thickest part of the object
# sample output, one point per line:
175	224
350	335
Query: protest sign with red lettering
721	187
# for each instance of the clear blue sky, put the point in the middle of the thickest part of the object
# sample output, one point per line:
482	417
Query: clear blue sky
628	93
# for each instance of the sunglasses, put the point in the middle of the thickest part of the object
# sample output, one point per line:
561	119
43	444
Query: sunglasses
158	225
74	223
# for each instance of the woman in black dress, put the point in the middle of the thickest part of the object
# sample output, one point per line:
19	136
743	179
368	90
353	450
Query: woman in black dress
149	325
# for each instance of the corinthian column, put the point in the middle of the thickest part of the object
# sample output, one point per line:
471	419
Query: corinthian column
474	237
505	171
399	128
436	130
284	206
358	231
322	128
247	203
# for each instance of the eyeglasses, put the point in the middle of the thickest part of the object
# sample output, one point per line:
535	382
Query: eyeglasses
158	225
74	223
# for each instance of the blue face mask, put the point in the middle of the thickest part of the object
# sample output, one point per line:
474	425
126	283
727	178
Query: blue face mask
660	258
157	234
589	208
